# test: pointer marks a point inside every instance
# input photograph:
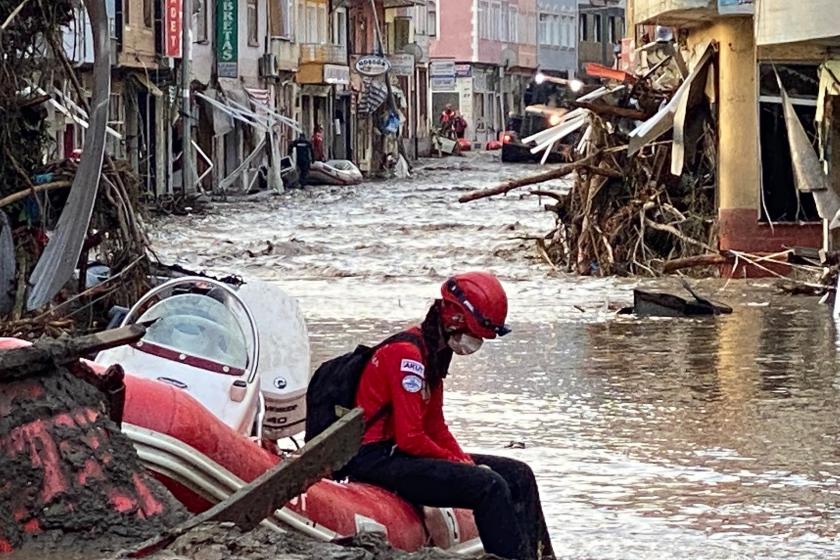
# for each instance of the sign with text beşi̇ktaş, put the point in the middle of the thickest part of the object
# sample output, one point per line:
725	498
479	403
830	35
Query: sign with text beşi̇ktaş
227	39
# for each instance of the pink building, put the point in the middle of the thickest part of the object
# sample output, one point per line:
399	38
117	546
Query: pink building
493	45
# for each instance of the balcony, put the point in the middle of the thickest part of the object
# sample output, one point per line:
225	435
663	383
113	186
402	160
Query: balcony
675	13
323	53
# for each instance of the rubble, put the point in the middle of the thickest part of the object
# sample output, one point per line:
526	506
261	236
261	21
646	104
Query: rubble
640	200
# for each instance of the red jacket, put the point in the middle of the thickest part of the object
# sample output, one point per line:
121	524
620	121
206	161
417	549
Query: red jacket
395	375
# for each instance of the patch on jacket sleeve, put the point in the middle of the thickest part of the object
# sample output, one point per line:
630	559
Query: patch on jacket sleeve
412	383
414	367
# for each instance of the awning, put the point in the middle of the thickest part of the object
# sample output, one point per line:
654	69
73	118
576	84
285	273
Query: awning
259	97
673	114
147	84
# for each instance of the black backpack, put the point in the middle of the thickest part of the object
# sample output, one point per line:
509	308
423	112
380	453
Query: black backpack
335	382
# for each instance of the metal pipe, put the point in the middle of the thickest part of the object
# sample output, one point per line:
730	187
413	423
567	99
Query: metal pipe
186	113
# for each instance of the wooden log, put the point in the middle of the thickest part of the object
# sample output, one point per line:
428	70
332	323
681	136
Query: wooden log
612	111
695	261
256	501
48	353
6	200
508	186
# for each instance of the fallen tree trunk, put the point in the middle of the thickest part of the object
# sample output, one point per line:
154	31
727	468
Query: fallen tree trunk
695	261
508	186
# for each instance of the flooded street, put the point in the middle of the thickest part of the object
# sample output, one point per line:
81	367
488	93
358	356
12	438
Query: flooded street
671	438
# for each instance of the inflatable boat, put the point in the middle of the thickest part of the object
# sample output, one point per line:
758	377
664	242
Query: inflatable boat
221	372
334	172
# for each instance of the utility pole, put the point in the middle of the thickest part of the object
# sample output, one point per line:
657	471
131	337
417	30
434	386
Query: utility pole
186	113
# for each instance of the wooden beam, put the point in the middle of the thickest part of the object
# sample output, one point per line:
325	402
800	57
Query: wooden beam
45	354
258	500
610	110
503	188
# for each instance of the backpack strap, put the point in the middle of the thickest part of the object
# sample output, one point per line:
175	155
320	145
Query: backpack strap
404	336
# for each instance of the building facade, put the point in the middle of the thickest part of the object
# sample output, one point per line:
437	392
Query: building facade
759	209
483	61
557	53
600	31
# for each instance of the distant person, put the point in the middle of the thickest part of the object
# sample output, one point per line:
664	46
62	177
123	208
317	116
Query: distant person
459	125
447	118
303	157
318	143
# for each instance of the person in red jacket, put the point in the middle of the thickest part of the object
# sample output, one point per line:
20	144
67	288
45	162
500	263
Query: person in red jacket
409	448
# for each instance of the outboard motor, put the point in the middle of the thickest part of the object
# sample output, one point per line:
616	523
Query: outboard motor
284	357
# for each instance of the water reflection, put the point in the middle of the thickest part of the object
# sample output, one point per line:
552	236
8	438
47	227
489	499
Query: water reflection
651	438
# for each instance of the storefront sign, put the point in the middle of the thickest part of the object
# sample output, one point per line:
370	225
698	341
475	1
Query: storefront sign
402	64
335	74
442	69
463	70
372	65
736	7
443	84
173	24
227	39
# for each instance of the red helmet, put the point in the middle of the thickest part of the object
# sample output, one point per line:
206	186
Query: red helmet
482	301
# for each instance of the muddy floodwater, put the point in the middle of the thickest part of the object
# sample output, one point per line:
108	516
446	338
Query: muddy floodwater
651	438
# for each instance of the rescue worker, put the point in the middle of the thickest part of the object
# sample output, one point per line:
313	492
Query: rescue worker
318	143
447	120
409	449
303	157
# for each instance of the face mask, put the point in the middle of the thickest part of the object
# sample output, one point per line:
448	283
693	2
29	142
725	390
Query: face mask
464	344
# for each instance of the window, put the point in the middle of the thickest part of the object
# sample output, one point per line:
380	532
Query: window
201	22
514	24
584	31
570	31
780	201
504	23
596	28
253	24
483	27
543	30
322	24
611	30
557	23
148	17
340	27
300	33
431	19
311	24
281	18
494	21
421	16
126	12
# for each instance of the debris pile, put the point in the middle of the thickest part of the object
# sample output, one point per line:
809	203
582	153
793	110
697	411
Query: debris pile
644	160
37	79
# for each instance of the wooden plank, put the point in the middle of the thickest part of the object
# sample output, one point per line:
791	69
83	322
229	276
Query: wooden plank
46	353
257	500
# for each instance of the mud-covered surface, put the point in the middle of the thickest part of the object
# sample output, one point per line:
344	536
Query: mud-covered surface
70	478
226	542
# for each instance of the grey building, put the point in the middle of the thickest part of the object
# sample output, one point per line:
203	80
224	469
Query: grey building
557	37
600	30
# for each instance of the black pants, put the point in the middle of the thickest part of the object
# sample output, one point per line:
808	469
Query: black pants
504	498
303	173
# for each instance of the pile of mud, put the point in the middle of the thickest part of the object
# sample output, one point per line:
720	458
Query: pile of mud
69	474
225	542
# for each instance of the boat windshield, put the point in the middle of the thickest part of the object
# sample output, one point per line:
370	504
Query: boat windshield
199	326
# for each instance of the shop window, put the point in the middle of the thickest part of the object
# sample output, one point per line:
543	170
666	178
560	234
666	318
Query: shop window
781	202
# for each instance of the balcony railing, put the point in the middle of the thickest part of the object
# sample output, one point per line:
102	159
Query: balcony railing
677	13
322	53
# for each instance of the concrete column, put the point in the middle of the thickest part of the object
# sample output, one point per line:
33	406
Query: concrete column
739	164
